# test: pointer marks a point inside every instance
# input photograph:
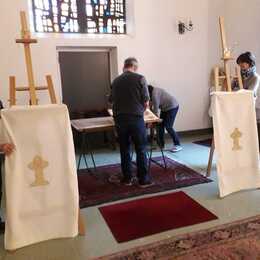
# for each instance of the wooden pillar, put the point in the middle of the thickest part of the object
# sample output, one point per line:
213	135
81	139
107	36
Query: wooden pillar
12	91
228	75
51	89
28	59
81	225
211	154
239	78
216	78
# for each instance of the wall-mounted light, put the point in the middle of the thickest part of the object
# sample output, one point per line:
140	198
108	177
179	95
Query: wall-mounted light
182	27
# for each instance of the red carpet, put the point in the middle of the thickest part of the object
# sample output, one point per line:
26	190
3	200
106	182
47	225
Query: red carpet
96	189
206	142
234	241
145	217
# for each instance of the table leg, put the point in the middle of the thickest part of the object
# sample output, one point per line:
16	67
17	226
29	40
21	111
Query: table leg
164	161
83	150
91	153
151	152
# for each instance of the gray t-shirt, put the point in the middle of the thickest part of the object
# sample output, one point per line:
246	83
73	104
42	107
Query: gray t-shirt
163	100
129	94
252	83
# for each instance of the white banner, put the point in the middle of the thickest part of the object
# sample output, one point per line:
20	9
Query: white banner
236	141
40	176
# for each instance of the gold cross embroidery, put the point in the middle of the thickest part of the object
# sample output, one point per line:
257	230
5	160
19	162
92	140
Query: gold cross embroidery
38	165
236	135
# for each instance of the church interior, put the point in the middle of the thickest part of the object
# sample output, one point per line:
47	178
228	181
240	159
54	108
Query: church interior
129	129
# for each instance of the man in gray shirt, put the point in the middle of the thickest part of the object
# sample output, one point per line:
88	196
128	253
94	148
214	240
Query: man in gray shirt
169	106
130	98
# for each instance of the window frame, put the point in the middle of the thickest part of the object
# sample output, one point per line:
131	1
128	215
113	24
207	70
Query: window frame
83	32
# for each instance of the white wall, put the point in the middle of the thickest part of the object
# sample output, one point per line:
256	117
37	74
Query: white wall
243	20
179	63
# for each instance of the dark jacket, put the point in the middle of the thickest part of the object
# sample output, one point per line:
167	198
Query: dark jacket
129	94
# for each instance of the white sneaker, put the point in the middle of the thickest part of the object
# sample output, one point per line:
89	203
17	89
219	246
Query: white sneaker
176	148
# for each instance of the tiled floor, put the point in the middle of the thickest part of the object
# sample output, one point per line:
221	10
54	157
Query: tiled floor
99	240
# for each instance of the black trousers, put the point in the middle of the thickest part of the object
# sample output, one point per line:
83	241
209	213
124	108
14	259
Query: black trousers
130	127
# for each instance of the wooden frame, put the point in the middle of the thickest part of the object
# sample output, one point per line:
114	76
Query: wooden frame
223	82
82	17
32	88
26	40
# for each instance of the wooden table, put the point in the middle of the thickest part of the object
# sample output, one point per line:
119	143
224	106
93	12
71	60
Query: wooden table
91	125
103	124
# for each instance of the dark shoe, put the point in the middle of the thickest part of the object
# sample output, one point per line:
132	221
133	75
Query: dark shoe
145	184
127	181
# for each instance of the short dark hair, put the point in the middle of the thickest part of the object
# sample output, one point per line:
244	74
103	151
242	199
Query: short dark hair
130	62
248	58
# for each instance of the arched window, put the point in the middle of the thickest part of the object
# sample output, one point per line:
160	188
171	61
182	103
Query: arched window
80	16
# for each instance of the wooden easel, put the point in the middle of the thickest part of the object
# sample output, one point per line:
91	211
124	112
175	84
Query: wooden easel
223	82
26	40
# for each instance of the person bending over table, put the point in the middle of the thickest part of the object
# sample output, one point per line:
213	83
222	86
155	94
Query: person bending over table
130	98
169	106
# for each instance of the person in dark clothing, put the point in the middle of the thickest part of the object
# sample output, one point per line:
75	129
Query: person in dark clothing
169	106
130	98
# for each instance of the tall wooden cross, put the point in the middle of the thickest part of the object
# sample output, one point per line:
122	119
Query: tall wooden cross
26	40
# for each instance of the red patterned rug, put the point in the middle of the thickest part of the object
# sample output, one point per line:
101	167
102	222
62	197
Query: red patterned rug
206	142
236	241
144	217
101	187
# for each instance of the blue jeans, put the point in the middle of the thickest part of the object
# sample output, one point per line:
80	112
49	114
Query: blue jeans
132	128
168	119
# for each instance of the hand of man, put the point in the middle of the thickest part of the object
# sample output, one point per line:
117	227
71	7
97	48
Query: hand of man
146	105
7	148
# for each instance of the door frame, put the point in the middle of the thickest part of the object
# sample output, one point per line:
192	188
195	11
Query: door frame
110	50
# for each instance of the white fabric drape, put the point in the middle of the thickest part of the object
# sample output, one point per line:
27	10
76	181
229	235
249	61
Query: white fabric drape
40	176
236	141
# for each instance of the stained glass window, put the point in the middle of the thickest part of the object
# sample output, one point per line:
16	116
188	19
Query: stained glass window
80	16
